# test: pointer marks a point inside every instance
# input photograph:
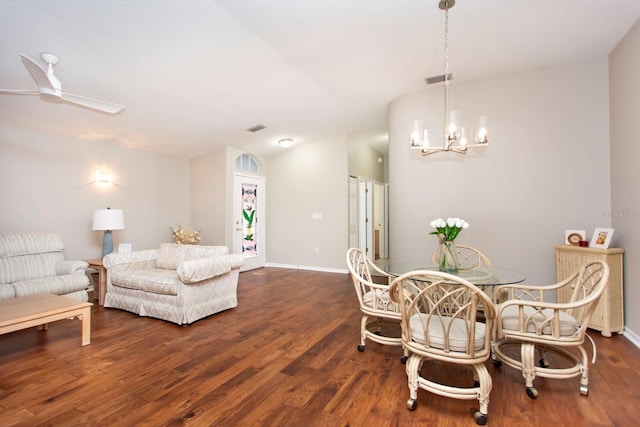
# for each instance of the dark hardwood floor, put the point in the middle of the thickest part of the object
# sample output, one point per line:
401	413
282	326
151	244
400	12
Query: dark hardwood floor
286	356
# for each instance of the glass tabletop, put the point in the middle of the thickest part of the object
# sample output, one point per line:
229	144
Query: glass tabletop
486	276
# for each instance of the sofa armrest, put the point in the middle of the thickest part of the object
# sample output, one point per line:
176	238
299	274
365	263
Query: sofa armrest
206	268
71	267
131	260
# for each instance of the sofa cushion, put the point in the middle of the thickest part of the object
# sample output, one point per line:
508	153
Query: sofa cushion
58	285
155	280
29	267
15	243
171	255
7	291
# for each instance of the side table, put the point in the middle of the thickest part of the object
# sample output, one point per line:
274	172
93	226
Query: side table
102	278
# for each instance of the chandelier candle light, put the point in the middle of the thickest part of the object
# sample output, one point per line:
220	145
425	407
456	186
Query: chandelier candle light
455	135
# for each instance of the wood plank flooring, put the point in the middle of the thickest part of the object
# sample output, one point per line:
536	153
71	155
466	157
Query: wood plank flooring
286	356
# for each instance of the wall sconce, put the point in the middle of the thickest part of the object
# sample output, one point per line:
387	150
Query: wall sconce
103	178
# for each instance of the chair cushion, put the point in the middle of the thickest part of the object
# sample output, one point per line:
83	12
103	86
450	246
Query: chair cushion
383	300
458	334
510	321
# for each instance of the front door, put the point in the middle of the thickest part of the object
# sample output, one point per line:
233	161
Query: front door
249	220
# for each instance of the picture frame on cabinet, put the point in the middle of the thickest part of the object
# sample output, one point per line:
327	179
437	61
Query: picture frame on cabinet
573	237
601	238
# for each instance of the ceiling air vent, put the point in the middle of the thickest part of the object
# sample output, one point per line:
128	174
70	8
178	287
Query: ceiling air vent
256	128
437	79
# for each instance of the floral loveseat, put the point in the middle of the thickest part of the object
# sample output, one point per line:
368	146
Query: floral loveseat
32	262
177	283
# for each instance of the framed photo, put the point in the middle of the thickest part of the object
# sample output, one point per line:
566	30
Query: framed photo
573	237
124	248
601	238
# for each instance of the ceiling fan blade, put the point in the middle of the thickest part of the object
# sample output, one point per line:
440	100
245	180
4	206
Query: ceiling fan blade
95	104
20	92
37	72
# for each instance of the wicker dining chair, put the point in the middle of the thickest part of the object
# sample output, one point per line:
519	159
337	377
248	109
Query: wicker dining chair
469	257
528	323
376	306
440	322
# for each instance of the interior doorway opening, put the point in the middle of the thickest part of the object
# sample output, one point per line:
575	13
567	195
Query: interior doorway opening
368	217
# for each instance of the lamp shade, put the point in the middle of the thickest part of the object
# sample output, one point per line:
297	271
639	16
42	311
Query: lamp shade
108	219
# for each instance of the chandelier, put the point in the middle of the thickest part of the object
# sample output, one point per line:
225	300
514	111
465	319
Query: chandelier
456	137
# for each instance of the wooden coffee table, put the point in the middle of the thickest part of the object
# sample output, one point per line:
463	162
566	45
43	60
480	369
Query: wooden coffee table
38	310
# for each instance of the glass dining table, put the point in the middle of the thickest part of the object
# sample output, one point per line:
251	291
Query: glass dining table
480	276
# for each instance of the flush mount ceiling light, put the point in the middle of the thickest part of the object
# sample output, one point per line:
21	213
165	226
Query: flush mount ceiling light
455	135
286	142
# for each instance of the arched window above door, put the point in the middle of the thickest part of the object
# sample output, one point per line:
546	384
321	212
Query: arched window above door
247	163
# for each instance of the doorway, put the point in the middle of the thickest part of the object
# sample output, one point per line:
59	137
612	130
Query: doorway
368	217
249	220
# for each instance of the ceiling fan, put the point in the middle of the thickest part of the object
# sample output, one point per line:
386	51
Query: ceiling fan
50	88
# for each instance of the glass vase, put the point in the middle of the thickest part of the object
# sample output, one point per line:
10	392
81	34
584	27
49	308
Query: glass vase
447	260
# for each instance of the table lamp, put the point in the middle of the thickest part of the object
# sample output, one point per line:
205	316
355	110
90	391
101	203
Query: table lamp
107	220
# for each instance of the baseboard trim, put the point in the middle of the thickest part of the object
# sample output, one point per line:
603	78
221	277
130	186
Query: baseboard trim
632	336
307	267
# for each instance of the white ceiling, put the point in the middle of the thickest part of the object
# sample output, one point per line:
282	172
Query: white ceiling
195	74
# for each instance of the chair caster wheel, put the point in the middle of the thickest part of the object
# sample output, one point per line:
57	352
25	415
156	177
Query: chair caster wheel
403	360
412	404
532	392
481	419
360	348
497	363
584	390
543	363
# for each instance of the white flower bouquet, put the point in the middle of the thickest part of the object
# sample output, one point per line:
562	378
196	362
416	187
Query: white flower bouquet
448	230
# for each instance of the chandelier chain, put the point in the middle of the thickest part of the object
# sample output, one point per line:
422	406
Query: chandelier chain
448	142
446	45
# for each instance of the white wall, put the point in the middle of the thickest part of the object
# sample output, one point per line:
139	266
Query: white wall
624	85
363	161
209	197
47	182
312	178
546	169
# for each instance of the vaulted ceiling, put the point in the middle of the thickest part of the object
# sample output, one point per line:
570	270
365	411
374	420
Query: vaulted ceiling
193	75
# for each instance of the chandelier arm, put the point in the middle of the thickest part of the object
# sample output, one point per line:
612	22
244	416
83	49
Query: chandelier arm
429	151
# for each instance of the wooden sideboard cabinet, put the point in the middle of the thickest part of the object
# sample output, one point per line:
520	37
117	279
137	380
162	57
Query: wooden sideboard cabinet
609	314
